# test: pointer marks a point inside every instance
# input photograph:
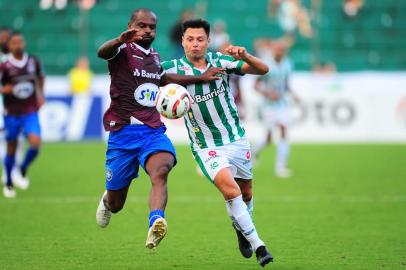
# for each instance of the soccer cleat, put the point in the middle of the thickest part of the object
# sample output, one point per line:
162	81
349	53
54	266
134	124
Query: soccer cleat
243	244
103	214
283	172
9	192
19	180
156	233
263	256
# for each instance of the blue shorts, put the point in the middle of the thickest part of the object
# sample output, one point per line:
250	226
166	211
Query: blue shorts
130	147
26	123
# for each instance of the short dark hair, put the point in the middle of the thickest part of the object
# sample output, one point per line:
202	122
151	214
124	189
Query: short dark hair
135	12
15	33
196	23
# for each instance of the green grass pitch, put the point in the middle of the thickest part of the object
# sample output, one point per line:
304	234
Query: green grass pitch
344	208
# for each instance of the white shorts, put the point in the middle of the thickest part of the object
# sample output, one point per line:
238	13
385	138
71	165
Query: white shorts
273	117
235	155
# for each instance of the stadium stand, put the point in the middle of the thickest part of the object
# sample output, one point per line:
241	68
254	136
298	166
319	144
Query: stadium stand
375	39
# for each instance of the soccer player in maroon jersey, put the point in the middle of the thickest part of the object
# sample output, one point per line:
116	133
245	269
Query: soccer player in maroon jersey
22	84
137	135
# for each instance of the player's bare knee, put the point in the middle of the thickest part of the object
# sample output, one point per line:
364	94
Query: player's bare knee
160	175
231	193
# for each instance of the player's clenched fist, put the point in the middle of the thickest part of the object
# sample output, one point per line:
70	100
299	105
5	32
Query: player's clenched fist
239	53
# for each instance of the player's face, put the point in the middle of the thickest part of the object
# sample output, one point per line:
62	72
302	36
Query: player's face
16	44
195	43
145	24
278	51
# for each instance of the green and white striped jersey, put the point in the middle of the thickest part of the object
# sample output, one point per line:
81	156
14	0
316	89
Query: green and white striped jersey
213	118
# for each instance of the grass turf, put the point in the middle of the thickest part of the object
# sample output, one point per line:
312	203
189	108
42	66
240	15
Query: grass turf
344	208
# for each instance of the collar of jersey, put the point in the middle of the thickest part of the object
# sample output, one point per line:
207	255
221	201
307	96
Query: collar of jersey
16	62
147	52
184	58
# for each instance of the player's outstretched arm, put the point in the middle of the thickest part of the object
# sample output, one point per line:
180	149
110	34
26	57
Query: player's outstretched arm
109	48
252	65
209	75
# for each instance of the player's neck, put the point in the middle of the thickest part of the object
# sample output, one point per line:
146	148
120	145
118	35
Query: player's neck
200	63
18	56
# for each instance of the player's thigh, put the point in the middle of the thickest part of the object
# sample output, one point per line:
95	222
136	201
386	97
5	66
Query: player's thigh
158	156
211	161
226	184
12	127
121	168
159	165
32	129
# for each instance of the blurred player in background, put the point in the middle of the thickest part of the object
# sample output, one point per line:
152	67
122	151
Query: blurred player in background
274	87
218	139
80	77
22	86
137	135
4	37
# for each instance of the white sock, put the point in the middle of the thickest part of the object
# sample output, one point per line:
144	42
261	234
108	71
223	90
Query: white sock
238	212
282	154
250	206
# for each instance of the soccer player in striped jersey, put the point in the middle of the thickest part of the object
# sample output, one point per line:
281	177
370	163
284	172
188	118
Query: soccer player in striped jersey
217	138
274	87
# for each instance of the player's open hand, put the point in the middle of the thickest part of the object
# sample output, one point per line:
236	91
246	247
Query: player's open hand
129	36
212	74
7	89
239	53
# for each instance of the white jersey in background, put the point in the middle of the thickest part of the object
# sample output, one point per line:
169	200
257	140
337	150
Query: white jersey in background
213	118
277	80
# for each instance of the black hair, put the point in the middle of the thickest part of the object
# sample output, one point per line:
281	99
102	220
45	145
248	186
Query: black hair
15	33
196	23
135	12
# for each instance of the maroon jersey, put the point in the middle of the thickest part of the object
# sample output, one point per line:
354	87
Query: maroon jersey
24	75
135	78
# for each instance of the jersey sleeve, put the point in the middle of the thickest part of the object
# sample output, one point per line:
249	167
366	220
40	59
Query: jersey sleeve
169	66
39	68
231	64
117	52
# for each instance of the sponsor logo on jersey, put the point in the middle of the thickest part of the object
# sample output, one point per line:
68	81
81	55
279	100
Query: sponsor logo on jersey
212	153
146	94
214	165
23	90
143	73
248	155
208	96
156	59
184	68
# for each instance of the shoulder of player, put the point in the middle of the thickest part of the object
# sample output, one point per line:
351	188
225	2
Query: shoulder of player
218	57
34	58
